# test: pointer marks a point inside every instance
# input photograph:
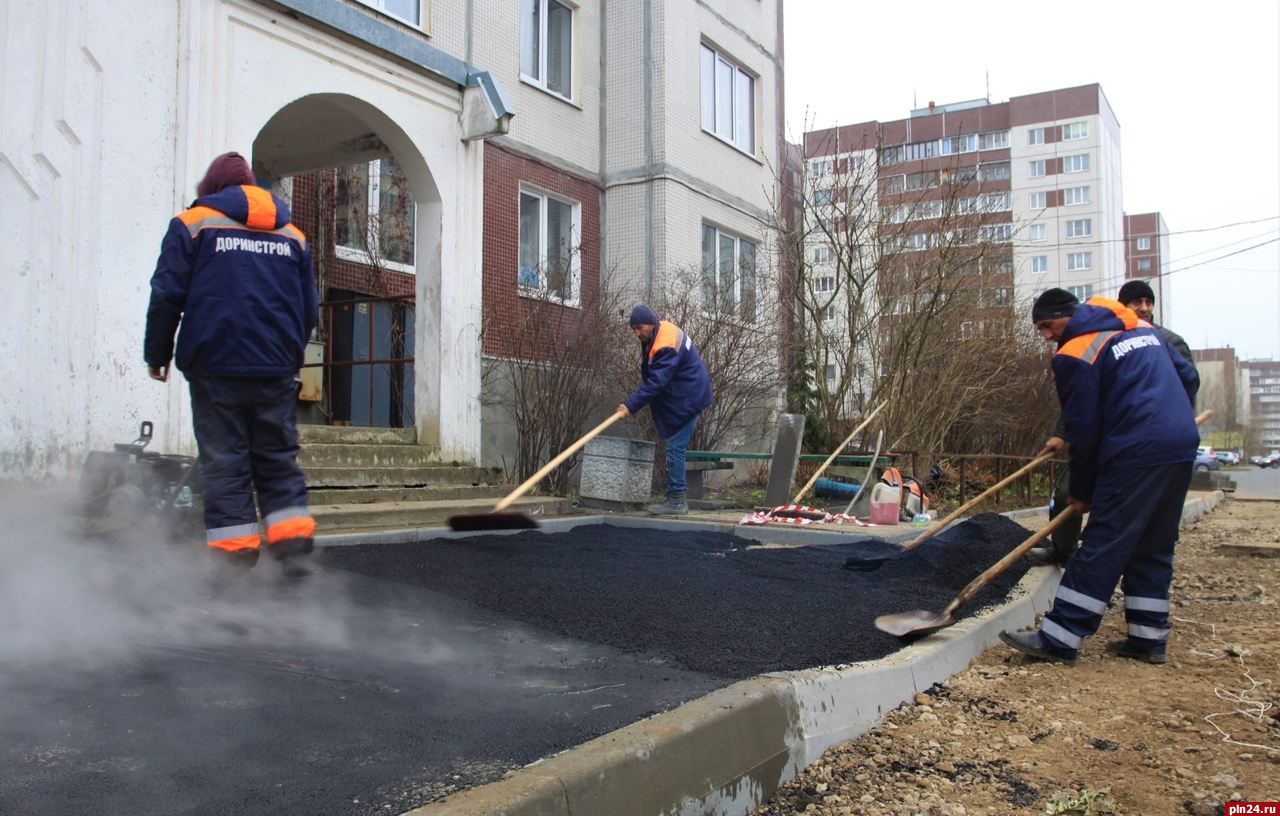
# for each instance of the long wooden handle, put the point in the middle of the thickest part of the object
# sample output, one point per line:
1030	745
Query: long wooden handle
871	469
550	466
955	514
1021	550
1003	564
836	453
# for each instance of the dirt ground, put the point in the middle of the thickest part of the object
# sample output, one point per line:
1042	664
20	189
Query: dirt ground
1011	735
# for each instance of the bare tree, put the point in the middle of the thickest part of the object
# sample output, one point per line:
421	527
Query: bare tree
904	293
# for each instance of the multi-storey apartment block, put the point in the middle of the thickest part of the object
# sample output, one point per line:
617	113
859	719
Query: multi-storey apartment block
1147	257
1264	402
1043	171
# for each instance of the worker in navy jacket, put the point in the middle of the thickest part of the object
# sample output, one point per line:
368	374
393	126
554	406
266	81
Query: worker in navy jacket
1127	408
235	281
677	388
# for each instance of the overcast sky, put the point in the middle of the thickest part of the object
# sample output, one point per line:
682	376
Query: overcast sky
1196	88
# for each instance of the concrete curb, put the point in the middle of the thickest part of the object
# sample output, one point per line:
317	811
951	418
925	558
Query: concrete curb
727	752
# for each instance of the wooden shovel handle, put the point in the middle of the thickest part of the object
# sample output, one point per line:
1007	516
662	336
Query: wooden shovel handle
836	453
1003	564
549	466
955	514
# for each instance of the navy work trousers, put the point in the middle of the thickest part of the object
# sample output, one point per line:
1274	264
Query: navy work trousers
246	429
1133	527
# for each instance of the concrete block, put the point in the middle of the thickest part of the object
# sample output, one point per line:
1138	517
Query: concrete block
616	471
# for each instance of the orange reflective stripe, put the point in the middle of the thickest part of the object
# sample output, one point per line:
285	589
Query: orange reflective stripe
262	208
248	542
1086	347
297	527
667	336
295	233
195	214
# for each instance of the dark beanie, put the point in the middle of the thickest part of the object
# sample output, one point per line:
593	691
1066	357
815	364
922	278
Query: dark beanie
227	170
1136	290
642	315
1053	303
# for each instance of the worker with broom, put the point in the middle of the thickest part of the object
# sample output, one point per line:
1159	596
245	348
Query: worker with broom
677	388
1127	408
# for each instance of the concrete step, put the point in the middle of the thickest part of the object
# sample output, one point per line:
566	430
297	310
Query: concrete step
334	434
371	495
357	454
361	518
325	476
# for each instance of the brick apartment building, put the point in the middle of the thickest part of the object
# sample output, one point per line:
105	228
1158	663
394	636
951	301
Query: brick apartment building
1044	171
1264	402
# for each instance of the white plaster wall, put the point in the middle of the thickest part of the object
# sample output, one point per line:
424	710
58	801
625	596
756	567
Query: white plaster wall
111	117
86	169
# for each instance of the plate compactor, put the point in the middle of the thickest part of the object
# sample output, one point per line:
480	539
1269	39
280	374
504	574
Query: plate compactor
130	491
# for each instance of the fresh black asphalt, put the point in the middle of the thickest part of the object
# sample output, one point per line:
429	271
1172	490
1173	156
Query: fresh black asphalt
135	680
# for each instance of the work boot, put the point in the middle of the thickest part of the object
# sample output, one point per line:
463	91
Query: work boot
675	505
1126	648
292	553
1046	556
1033	644
236	560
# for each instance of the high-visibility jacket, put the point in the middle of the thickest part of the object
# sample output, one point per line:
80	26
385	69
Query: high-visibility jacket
1127	398
237	276
676	385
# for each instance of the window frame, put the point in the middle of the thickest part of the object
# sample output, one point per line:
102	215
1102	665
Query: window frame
1144	244
1035	230
711	100
1035	136
1079	228
1074	131
1077	163
1073	265
373	206
1083	193
1144	264
542	290
1037	200
1041	261
1033	166
424	12
713	306
543	15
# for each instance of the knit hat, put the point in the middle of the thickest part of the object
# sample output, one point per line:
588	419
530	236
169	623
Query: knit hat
1135	290
642	315
227	170
1053	303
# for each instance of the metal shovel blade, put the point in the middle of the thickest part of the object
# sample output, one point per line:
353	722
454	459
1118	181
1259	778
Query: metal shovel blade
917	623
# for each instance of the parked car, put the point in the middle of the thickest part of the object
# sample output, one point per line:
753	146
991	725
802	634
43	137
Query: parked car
1227	457
1207	461
1270	461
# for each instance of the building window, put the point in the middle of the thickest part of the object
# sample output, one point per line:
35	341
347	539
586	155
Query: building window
819	168
728	101
959	144
375	215
830	372
549	257
997	232
1075	195
728	273
1037	168
1037	232
826	283
1082	293
1079	260
1080	227
546	57
1036	201
829	313
1078	163
995	171
1035	136
823	198
1039	264
408	10
1144	264
821	254
1075	130
993	141
1144	243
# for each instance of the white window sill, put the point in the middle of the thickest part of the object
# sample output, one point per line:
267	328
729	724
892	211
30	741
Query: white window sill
361	257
